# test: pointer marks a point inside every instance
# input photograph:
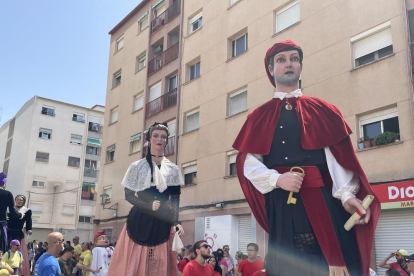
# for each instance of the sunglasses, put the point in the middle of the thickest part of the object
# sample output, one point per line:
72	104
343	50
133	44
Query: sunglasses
206	246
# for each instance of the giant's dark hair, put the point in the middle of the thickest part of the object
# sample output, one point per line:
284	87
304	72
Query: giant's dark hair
160	126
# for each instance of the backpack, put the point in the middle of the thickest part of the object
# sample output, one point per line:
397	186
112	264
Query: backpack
9	254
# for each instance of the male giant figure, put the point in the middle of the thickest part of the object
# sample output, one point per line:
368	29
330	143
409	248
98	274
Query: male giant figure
306	237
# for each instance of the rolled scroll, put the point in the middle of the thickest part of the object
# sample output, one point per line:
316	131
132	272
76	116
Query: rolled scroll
357	215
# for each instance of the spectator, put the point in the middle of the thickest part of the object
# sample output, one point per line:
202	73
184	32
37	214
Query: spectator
252	264
186	260
85	258
184	250
400	265
213	261
392	272
47	264
30	255
78	252
229	259
222	263
14	258
67	244
5	269
67	263
263	271
410	260
239	257
198	266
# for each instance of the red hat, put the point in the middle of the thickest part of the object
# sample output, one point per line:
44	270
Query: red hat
286	45
99	233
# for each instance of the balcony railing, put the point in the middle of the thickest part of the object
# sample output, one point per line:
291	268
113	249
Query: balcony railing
91	173
163	59
88	195
169	149
162	103
166	16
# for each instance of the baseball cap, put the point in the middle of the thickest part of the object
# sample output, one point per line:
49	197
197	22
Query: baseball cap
403	252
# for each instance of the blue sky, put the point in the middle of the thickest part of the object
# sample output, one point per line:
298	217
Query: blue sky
56	49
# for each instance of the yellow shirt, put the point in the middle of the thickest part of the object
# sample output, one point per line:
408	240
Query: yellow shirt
87	255
78	248
15	259
4	272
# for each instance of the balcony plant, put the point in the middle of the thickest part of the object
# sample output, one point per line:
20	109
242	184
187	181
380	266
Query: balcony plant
361	143
387	138
367	142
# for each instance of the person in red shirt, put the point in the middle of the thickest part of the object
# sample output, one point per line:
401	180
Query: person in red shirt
252	264
400	265
198	266
184	261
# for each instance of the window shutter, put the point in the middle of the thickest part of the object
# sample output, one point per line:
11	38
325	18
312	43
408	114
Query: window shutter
372	43
85	211
244	232
155	91
190	169
287	17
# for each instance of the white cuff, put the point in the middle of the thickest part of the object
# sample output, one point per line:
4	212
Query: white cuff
274	177
345	196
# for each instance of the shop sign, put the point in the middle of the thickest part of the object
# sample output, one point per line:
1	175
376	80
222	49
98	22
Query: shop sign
395	195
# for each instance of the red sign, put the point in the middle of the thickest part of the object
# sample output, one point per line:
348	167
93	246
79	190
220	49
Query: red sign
401	194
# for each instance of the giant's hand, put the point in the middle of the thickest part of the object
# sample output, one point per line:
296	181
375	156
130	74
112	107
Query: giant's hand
352	204
156	205
180	230
290	182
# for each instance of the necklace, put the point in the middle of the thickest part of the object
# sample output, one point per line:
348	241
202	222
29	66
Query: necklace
288	106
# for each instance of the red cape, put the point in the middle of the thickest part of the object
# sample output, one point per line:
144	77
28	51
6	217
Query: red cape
322	125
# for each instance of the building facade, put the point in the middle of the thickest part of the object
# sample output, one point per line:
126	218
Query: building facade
357	56
50	152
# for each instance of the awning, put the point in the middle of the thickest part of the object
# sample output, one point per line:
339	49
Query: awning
74	136
47	131
157	4
110	148
94	142
135	137
142	16
88	184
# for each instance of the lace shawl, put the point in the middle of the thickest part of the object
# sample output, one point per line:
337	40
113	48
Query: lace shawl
138	176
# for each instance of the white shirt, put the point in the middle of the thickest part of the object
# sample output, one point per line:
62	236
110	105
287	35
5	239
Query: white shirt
345	182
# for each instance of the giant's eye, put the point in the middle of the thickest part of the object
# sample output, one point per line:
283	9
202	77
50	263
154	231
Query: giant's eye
295	59
280	59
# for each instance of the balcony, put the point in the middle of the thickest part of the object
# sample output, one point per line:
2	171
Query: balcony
91	173
163	59
162	103
88	195
166	16
169	149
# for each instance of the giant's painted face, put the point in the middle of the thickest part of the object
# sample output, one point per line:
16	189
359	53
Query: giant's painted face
102	240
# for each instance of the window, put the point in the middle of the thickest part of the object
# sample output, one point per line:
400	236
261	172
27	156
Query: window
120	43
108	233
50	111
231	155
42	157
138	102
143	21
91	164
108	190
75	139
39	182
155	91
73	162
116	80
190	173
114	115
172	83
45	133
239	45
196	22
110	153
135	143
194	71
373	124
92	150
88	192
191	121
141	62
68	209
372	45
287	16
159	8
36	207
237	102
78	117
85	219
95	124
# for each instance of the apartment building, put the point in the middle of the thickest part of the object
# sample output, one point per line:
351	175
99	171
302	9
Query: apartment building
50	152
357	56
143	88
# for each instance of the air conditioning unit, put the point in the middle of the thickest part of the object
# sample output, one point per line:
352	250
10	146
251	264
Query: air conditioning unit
96	127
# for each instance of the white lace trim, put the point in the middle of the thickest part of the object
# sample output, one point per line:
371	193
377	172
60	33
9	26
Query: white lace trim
138	176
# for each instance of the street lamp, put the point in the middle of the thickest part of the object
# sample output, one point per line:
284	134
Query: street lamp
114	207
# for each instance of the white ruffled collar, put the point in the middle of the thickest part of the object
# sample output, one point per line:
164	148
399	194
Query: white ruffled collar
281	95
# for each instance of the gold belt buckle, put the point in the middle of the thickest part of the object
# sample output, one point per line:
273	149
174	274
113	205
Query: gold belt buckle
291	199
